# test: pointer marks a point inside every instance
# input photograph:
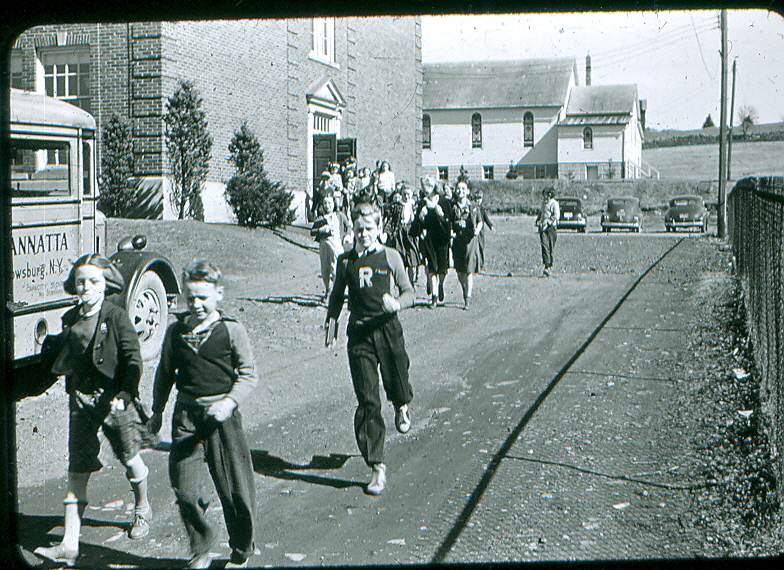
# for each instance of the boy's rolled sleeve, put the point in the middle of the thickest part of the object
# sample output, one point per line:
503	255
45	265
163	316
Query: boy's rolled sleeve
406	292
335	305
244	363
165	375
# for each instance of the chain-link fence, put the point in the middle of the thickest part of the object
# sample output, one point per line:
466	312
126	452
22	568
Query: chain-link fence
756	231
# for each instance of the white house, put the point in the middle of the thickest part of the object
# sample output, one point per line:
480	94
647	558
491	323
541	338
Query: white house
529	117
601	135
486	116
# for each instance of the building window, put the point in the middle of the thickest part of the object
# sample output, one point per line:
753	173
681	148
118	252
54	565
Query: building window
443	173
528	129
587	137
322	123
323	40
17	74
476	130
67	74
425	131
489	172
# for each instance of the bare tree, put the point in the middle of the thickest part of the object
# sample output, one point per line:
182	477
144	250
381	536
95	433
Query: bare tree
748	117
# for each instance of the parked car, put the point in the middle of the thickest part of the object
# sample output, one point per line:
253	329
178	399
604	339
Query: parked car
572	217
622	213
686	212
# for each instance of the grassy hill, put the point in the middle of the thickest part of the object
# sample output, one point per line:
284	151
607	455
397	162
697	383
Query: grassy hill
710	135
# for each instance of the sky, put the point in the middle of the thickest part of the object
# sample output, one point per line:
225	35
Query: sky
673	57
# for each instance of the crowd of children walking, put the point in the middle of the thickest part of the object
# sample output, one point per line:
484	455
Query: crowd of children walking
394	228
432	225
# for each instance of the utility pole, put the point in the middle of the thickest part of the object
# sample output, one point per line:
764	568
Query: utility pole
732	114
722	203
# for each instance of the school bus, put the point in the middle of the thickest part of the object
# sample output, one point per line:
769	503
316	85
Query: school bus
55	220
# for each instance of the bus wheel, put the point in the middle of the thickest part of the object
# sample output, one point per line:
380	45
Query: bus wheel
149	313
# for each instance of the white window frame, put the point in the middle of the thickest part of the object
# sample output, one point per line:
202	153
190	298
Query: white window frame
323	48
66	74
587	138
488	169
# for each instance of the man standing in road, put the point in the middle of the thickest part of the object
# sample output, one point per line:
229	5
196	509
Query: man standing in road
547	222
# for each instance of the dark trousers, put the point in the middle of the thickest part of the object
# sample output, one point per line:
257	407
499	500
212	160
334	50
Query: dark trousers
196	439
384	348
547	239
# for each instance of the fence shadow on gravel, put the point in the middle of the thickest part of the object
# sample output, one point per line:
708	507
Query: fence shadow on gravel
755	208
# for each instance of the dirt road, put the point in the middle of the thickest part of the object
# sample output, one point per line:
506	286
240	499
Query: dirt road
474	373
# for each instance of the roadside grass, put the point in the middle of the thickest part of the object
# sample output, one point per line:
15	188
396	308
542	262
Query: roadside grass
684	170
701	162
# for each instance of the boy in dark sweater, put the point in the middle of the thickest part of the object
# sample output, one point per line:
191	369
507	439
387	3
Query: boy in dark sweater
373	274
209	357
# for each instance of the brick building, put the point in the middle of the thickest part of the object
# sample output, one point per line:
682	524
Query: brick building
310	89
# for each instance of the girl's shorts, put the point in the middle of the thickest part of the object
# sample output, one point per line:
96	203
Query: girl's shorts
90	413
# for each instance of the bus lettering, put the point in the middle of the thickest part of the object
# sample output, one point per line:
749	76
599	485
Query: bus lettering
42	243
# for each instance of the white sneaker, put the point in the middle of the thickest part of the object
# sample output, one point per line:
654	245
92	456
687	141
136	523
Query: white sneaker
402	419
378	479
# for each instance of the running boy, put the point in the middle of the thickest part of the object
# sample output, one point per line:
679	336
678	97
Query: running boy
209	357
372	272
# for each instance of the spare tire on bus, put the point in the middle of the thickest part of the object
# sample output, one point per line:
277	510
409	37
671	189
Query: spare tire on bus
149	313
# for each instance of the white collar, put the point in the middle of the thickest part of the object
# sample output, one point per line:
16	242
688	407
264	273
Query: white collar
94	311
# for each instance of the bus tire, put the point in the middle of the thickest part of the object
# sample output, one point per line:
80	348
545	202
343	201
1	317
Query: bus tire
149	313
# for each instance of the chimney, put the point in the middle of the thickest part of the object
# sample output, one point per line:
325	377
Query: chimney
643	108
588	70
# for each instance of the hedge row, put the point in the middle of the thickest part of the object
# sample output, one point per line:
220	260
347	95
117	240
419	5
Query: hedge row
524	196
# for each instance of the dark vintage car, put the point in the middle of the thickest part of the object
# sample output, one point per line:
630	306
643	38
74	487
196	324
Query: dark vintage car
572	217
687	212
622	213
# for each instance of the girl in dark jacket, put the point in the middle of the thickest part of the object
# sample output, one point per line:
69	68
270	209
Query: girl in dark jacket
101	361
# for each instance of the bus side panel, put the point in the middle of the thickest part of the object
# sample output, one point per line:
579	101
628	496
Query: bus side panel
43	256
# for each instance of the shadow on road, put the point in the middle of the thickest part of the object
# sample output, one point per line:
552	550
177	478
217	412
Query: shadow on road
272	466
33	531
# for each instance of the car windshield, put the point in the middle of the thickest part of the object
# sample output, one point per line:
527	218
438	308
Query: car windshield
685	202
616	204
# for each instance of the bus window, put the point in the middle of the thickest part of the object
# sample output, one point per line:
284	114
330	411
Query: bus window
86	168
40	168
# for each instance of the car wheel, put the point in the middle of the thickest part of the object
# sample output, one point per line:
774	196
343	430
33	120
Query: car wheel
581	230
149	313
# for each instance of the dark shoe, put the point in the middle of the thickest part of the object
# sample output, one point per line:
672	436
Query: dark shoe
58	554
237	560
141	524
546	272
441	292
403	419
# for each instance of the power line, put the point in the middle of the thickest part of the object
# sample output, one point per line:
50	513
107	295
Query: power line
679	31
643	49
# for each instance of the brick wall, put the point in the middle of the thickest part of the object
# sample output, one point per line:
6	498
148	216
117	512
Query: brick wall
259	72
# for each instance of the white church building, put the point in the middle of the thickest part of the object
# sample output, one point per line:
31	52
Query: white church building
528	119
